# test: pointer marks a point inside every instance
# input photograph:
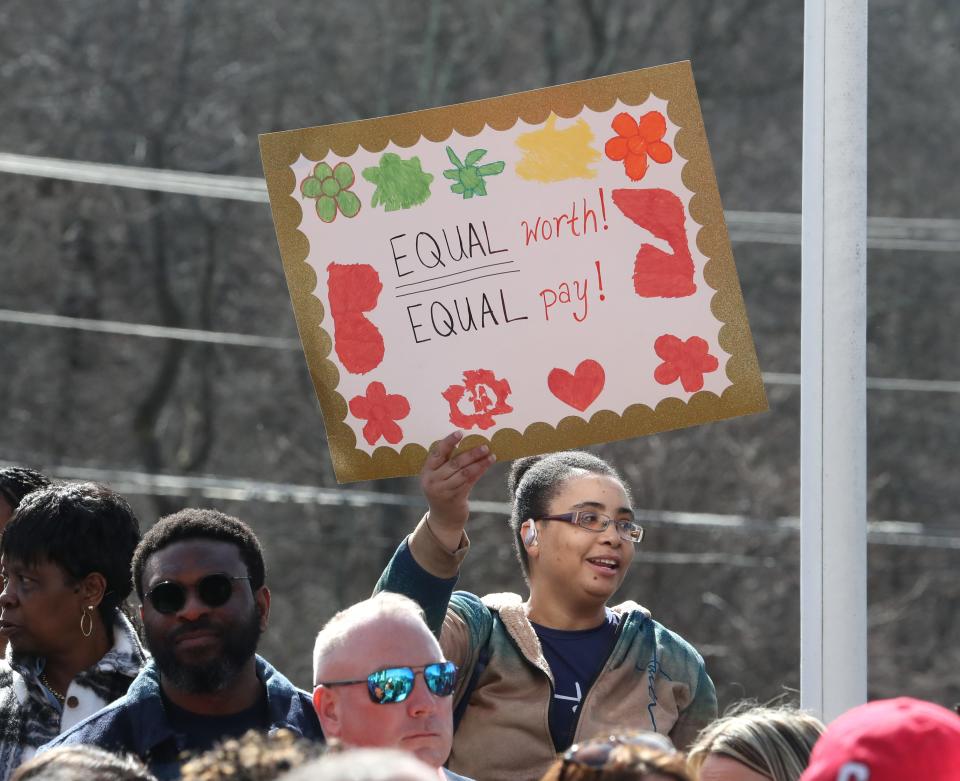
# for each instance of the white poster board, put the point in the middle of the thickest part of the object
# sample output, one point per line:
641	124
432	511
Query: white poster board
542	270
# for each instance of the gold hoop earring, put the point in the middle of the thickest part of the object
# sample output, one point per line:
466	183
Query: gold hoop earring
88	630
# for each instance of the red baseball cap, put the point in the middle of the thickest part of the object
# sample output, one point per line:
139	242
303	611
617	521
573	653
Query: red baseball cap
889	740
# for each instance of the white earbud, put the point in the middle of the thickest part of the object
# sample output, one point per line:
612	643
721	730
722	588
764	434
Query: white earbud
530	532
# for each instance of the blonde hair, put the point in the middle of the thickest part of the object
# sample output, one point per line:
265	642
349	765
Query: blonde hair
336	632
774	741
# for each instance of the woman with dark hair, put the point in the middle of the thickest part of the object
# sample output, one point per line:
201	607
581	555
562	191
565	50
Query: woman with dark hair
624	757
15	483
541	673
65	562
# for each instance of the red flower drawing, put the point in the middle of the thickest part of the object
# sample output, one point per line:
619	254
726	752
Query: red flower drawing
484	393
635	141
687	361
381	410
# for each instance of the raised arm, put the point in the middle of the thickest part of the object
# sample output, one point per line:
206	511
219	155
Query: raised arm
426	564
446	481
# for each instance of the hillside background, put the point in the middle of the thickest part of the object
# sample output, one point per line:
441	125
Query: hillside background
187	85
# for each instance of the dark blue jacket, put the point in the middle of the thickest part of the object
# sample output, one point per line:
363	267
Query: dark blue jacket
137	722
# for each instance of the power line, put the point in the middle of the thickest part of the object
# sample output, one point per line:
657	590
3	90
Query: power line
221	488
886	233
148	331
236	188
890	233
878	383
280	343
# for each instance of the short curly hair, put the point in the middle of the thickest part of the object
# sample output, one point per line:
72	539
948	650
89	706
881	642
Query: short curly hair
200	524
253	757
82	528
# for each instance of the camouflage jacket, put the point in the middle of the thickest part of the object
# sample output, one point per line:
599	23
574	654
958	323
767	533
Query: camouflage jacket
652	680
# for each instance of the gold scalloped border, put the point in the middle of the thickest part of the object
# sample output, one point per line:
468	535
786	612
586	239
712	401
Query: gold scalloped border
673	83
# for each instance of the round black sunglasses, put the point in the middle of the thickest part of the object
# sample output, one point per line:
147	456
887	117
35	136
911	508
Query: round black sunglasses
214	591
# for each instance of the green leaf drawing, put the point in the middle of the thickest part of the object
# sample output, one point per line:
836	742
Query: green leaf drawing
474	156
468	176
400	183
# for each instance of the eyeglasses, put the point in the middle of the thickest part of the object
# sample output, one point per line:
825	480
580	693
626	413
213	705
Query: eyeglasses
213	590
593	521
394	684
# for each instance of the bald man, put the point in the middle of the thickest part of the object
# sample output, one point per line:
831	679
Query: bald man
381	680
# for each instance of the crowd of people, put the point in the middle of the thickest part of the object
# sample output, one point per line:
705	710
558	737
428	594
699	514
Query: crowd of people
417	682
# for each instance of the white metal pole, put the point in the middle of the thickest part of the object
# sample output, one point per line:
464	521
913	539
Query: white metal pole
833	590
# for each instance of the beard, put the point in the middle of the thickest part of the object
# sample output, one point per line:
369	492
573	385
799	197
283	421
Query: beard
238	645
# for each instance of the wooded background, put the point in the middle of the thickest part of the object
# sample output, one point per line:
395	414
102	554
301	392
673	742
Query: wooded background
187	85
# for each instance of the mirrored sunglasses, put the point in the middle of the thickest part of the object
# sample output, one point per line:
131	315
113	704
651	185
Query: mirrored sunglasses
213	590
394	684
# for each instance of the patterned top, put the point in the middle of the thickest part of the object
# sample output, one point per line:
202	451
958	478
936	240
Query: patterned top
30	716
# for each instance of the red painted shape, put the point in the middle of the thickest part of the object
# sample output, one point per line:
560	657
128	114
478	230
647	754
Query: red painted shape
658	274
579	389
381	410
478	386
685	361
354	289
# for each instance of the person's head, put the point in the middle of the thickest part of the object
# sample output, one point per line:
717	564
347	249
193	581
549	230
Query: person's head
82	763
365	764
65	557
755	743
400	689
253	757
889	740
15	483
200	578
568	557
629	756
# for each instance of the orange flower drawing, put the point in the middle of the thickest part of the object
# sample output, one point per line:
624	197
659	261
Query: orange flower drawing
381	410
635	141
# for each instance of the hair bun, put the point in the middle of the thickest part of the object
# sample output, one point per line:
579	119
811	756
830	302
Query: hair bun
518	469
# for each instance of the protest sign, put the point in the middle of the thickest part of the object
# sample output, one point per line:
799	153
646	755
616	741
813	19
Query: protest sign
542	270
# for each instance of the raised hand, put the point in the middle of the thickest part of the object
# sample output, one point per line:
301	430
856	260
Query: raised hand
446	481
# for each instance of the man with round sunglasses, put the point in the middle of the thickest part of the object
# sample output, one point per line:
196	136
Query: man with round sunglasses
381	681
200	577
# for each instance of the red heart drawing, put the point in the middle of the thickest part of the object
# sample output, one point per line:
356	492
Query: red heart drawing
579	389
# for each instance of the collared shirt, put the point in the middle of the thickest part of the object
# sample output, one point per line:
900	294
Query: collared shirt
138	722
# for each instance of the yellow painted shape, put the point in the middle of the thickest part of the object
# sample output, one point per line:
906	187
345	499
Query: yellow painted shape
552	155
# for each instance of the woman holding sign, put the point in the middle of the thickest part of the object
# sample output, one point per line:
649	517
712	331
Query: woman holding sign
561	666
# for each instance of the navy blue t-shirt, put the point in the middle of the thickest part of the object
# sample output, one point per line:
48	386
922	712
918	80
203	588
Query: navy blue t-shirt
575	658
202	732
